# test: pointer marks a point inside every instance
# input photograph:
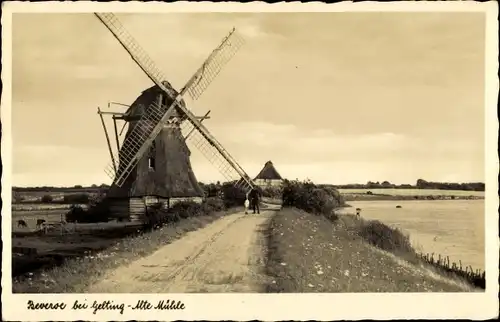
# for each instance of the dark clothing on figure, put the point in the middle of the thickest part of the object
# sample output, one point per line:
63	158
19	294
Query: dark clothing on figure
254	194
254	197
255	206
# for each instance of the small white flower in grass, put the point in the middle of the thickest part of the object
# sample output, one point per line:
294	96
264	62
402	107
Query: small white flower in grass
283	264
310	285
346	272
364	274
320	272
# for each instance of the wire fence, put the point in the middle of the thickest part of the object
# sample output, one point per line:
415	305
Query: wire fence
475	277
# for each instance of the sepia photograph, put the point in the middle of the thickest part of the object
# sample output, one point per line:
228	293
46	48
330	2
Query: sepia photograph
247	151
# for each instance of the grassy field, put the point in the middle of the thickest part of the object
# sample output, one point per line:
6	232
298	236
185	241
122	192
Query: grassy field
309	253
36	196
414	192
450	228
37	207
54	246
69	263
31	216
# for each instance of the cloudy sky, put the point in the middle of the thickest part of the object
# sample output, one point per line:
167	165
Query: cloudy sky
336	97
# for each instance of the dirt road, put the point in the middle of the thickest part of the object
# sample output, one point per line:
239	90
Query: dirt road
225	256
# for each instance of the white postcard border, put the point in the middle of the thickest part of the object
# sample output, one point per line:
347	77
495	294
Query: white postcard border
480	305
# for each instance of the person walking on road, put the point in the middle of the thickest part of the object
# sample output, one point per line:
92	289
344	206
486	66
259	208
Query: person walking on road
255	198
247	205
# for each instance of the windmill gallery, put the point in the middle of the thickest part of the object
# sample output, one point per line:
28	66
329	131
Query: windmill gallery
152	165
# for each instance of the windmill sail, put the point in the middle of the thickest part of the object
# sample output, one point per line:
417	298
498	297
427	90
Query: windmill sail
136	52
155	115
213	64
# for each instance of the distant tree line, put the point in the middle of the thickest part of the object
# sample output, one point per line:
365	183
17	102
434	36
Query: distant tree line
420	184
468	186
80	198
93	187
211	189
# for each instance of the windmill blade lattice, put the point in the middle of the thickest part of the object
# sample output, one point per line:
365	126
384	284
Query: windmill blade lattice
227	166
149	126
137	142
213	64
136	52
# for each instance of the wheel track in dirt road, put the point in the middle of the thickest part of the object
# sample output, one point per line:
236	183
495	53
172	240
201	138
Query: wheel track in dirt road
227	255
192	258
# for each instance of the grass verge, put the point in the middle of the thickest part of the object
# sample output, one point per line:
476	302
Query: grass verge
76	274
309	253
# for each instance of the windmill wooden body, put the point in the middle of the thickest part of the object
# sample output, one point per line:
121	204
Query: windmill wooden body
152	163
268	176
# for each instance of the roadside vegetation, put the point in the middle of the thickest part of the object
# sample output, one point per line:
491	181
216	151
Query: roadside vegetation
312	249
310	253
71	272
311	198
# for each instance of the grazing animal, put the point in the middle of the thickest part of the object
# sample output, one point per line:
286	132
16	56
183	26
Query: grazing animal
358	212
40	222
398	206
22	223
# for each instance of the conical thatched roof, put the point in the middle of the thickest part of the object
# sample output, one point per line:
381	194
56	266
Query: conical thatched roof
149	96
269	172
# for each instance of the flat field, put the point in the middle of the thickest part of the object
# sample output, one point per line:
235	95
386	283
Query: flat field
31	216
60	243
36	196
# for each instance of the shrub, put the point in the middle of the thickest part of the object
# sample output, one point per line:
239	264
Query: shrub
322	202
77	198
311	198
272	192
212	190
98	211
158	215
212	205
47	198
75	213
232	195
78	214
186	209
385	237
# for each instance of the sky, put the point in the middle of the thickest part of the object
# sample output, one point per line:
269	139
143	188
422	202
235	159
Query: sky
339	97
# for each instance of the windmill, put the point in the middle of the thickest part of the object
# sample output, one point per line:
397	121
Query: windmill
160	115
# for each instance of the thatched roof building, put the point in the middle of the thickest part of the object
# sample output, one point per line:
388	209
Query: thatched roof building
268	176
165	170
